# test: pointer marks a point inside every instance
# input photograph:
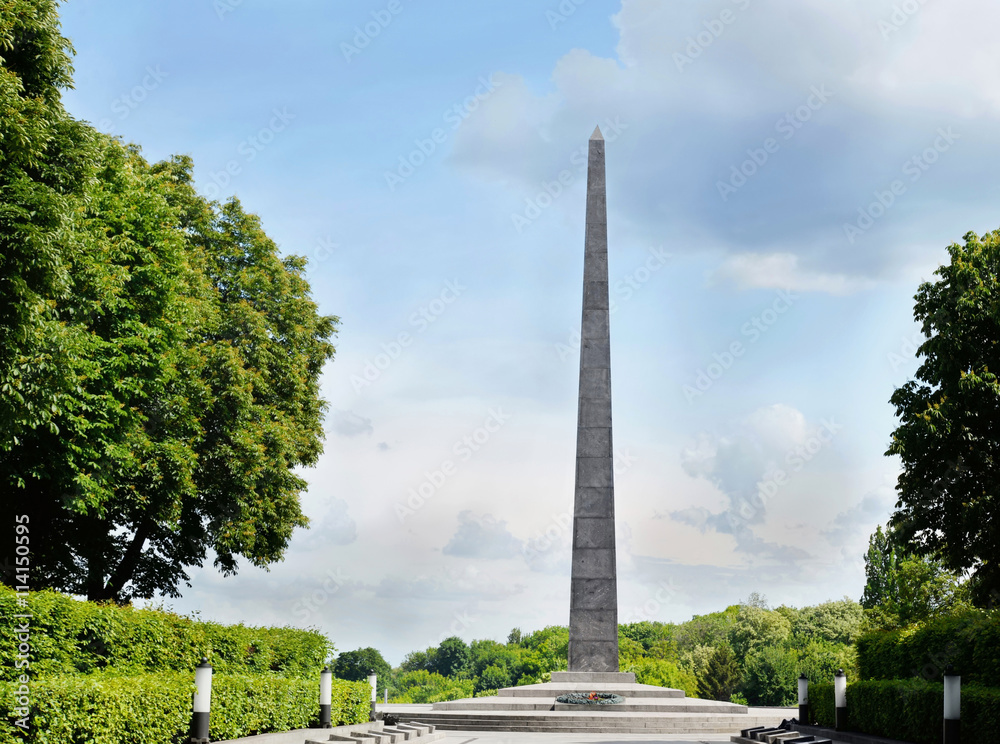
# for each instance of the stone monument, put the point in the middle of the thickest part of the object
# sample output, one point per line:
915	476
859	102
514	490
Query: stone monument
593	609
593	614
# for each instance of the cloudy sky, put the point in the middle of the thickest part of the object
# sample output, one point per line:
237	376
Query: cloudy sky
781	177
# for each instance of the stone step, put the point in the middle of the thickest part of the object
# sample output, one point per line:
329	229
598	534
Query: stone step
678	724
407	735
552	689
353	738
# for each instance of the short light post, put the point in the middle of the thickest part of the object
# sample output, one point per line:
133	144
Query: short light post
202	704
803	699
373	681
840	699
952	706
325	696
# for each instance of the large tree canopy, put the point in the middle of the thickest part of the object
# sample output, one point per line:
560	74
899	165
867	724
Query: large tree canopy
159	360
949	431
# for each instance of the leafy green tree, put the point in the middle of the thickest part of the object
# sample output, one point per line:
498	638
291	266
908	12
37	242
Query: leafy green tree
45	159
452	657
159	361
696	660
770	675
663	673
947	438
355	665
706	630
493	678
551	644
722	675
837	621
902	588
422	686
756	627
417	660
881	572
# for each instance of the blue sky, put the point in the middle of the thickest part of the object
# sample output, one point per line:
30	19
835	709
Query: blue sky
781	177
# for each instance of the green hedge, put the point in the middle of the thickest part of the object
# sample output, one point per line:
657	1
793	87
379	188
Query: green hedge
908	710
970	640
70	636
156	708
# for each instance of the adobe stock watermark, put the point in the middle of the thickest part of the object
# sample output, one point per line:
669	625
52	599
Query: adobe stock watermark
907	350
788	126
21	695
559	526
421	319
901	15
774	480
225	7
696	45
562	12
914	167
461	622
623	289
311	603
464	449
363	35
454	116
650	609
127	102
248	150
724	360
552	190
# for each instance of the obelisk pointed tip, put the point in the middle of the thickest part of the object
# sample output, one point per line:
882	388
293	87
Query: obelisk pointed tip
597	134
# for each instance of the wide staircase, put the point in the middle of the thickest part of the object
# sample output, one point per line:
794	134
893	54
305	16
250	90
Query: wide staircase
645	709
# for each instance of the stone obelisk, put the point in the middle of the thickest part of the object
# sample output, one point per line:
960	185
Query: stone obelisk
593	614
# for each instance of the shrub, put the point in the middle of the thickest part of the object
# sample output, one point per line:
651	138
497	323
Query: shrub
970	640
69	636
108	709
909	710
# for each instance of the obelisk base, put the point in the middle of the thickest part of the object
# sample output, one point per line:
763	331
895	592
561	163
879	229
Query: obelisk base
602	677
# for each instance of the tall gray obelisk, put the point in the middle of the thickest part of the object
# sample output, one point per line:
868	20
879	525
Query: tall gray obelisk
593	614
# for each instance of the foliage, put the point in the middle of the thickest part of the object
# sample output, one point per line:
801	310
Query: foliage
721	676
107	709
452	657
836	621
970	640
70	636
652	635
903	588
706	630
493	678
908	710
355	665
756	627
663	673
949	490
551	645
696	660
421	686
770	675
159	361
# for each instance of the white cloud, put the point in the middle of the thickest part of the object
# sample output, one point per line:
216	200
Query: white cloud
482	537
783	271
350	424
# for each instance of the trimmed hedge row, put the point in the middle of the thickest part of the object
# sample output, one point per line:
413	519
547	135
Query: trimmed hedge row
909	709
70	636
105	709
970	640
